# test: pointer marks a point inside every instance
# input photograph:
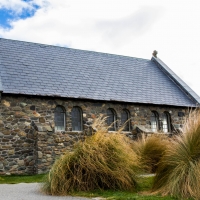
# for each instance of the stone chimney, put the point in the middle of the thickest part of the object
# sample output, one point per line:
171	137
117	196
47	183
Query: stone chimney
155	53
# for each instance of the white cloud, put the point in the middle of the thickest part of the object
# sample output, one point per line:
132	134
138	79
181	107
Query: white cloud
17	6
139	23
86	24
128	27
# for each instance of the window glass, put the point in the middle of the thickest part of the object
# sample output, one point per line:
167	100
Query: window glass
111	119
124	117
166	123
59	118
154	121
76	119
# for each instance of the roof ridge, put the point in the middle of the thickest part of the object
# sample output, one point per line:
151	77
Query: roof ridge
50	45
185	88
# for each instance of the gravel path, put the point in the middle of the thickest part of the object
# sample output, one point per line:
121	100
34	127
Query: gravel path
28	191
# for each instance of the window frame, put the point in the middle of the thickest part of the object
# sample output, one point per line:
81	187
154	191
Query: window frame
113	123
156	116
64	118
80	118
128	124
168	122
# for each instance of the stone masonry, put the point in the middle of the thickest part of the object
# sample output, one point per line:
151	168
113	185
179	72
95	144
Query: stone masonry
28	142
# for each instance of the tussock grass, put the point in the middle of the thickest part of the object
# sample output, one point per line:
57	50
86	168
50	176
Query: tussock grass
103	161
150	151
179	171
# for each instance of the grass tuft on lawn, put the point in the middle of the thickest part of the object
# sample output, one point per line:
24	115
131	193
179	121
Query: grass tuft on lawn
150	151
103	161
179	170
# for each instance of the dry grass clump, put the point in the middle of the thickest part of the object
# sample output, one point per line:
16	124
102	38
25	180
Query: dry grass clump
179	170
103	161
150	151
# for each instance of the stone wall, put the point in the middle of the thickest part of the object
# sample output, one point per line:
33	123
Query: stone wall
28	142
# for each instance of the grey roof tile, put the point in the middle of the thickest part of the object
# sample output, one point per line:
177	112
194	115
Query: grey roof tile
49	70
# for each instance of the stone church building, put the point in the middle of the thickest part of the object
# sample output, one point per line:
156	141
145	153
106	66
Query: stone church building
50	96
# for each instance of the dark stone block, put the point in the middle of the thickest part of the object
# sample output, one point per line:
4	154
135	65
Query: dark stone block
51	102
181	114
22	120
39	161
97	104
8	136
12	163
13	133
51	145
17	149
7	168
31	131
34	118
26	152
13	104
5	140
32	107
21	168
29	141
14	156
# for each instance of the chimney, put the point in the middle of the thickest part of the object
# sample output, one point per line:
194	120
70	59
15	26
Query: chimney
155	53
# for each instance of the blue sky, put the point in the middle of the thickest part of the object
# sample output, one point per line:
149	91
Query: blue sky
124	27
8	15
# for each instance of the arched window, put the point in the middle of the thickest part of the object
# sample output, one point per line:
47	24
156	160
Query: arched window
111	119
76	119
124	117
154	121
59	118
166	122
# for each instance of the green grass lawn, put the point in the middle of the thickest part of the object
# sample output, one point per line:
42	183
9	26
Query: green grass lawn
21	179
143	191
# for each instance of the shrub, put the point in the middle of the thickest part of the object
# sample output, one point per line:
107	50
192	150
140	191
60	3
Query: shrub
103	161
150	150
179	170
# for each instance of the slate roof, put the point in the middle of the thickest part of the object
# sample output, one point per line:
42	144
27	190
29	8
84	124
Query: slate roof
45	70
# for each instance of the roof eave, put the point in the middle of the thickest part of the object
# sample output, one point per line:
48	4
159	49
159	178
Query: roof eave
182	85
1	87
94	99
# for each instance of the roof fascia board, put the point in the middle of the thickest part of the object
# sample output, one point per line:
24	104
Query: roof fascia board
183	86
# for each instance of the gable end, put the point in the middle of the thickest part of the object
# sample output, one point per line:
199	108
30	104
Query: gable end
180	83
